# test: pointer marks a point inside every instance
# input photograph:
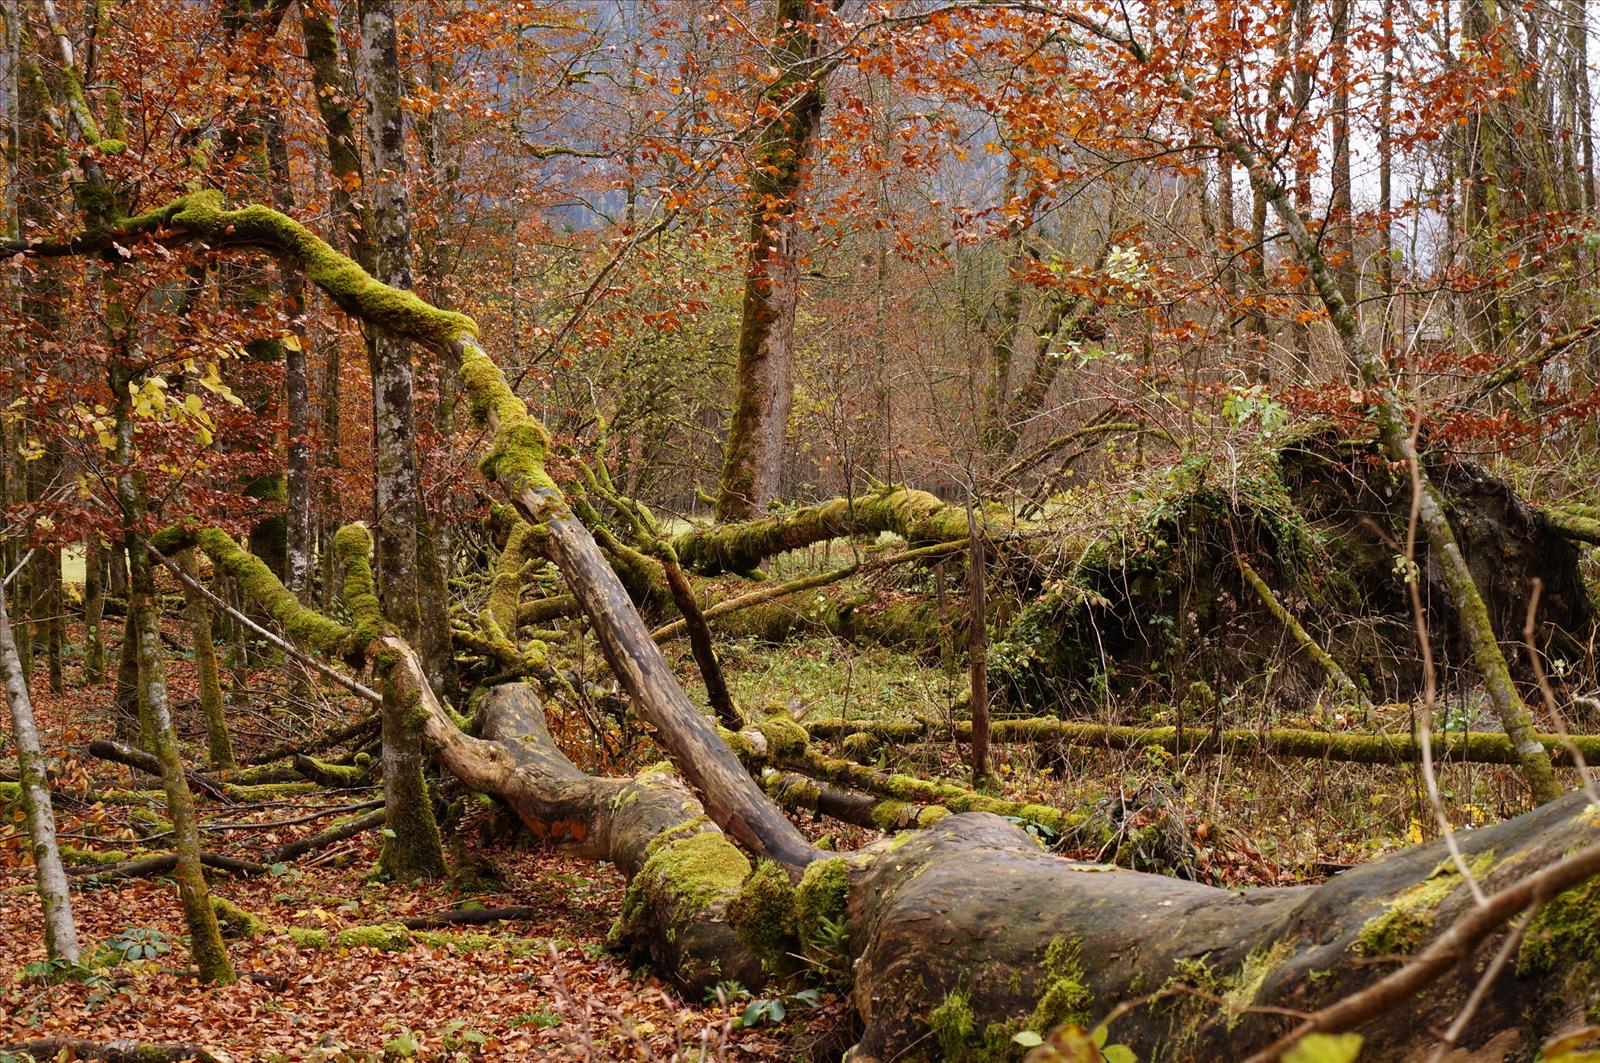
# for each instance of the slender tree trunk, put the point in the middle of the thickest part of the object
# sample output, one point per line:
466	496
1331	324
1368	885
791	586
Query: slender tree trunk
1340	206
205	939
763	387
94	602
219	746
125	692
330	84
60	933
393	405
978	649
296	382
411	847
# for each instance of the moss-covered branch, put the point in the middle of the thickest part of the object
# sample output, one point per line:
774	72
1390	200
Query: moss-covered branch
1475	747
916	516
1338	679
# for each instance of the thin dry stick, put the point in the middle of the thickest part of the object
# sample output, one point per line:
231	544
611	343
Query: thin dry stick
1447	950
1430	683
1550	697
1507	949
13	573
353	685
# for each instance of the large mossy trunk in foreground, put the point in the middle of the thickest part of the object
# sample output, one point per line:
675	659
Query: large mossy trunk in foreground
966	933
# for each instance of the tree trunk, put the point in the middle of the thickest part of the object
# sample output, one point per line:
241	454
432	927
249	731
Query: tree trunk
155	715
219	747
762	382
411	847
60	933
978	650
94	599
296	377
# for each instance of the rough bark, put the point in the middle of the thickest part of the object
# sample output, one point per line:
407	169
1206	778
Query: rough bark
945	967
94	652
219	745
411	847
762	382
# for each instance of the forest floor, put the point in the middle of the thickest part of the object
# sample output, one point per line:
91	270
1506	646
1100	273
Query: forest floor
547	986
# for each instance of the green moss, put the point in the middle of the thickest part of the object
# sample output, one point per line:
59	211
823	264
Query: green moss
763	912
1566	936
861	746
889	814
353	545
258	583
1066	997
820	904
953	1025
1253	975
390	937
931	815
741	746
686	870
73	854
236	921
794	792
1405	923
308	938
785	737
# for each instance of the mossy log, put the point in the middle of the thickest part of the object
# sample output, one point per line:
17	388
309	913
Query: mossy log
966	933
914	790
1357	748
121	753
916	516
160	865
682	870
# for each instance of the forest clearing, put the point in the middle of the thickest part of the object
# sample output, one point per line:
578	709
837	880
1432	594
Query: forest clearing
881	530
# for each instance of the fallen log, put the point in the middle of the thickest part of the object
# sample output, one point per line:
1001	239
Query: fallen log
322	839
128	1051
916	516
156	865
126	755
1350	747
468	917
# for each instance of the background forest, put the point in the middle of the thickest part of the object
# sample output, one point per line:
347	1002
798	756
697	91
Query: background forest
807	479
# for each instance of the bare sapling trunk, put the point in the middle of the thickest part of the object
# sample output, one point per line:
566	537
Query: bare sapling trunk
60	933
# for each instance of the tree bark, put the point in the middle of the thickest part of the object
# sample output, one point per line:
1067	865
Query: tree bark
219	746
763	389
94	652
60	932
